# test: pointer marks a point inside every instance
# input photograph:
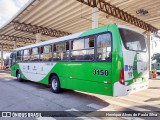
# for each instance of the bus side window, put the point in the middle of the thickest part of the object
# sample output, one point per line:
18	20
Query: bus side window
83	49
13	58
26	55
46	53
19	56
41	52
104	47
61	51
66	51
35	54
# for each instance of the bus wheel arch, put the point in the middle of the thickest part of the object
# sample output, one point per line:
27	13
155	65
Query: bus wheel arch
17	72
18	75
54	83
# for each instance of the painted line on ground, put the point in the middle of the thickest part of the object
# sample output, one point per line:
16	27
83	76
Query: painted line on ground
138	97
95	106
3	73
127	106
147	95
153	91
154	102
45	118
141	102
80	113
7	79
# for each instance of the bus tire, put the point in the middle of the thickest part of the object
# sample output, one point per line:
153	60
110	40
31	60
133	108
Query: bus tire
55	84
19	76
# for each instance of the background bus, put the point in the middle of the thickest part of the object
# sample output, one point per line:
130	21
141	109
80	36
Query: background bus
109	60
157	67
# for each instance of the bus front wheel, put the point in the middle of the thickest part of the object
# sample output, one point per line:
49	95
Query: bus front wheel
19	77
55	84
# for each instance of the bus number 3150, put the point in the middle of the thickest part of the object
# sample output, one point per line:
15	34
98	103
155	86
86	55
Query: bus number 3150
100	72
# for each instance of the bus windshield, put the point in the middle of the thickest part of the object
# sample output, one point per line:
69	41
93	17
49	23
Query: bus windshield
132	40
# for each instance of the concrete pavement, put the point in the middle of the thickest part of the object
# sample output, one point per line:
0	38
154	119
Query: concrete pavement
30	96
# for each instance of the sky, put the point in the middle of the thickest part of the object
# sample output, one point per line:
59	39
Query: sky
8	8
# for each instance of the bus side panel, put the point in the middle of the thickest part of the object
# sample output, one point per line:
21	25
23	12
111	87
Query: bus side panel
14	68
85	76
83	80
72	75
37	72
88	86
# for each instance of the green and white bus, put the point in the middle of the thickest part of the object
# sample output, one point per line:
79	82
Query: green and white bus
110	60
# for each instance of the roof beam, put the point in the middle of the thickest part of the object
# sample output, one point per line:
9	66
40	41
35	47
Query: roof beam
8	50
116	12
15	38
38	29
9	45
17	43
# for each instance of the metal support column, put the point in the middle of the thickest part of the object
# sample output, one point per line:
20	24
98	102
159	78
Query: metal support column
2	63
94	17
15	45
149	51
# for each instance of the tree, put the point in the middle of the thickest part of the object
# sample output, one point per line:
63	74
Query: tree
156	57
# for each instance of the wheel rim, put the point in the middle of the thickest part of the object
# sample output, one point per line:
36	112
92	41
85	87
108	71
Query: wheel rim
54	84
18	76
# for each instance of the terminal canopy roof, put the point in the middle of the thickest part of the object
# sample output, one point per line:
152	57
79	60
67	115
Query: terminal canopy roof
56	18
